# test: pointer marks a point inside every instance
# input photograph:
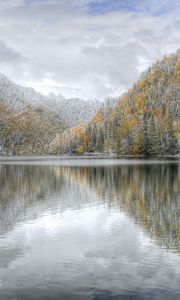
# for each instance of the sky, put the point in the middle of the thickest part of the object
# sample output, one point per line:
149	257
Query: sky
85	48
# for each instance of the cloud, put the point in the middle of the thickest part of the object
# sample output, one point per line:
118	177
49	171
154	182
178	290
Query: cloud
81	50
11	61
9	55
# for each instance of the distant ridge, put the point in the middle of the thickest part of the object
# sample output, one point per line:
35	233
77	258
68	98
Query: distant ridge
29	120
72	111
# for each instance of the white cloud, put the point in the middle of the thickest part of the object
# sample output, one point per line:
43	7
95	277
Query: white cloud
70	51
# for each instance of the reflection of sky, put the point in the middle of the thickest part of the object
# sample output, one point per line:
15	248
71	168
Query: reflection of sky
81	251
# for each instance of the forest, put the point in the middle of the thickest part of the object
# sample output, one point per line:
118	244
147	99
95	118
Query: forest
145	121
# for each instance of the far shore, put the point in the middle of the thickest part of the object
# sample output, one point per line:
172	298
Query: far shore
103	156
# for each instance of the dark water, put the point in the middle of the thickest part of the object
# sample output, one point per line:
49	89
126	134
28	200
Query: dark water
107	230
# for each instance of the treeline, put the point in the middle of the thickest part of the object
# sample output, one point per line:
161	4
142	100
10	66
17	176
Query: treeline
145	121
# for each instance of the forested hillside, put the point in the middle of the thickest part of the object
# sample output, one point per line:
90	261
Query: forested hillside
71	111
29	121
18	97
145	121
28	131
74	111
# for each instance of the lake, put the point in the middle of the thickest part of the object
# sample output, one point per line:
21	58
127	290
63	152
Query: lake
89	229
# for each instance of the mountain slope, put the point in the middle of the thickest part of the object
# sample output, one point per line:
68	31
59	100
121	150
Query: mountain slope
71	111
29	121
28	131
74	111
145	121
18	96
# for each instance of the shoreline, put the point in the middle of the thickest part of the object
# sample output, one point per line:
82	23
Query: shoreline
99	156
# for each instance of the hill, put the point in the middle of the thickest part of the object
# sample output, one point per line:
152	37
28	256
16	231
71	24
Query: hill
29	120
28	131
71	111
74	111
145	121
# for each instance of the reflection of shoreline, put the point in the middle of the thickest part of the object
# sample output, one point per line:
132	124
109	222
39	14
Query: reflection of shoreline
26	192
87	156
149	194
22	190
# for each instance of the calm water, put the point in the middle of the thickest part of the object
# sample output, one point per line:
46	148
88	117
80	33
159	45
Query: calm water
90	229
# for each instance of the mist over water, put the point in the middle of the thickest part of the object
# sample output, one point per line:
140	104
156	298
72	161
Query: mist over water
90	231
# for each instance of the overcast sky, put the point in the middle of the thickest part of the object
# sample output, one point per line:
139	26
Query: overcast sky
89	49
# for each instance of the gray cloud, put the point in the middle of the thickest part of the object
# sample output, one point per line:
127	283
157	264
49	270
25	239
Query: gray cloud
9	55
93	55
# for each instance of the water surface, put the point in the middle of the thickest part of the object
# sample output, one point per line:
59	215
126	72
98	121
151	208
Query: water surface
90	229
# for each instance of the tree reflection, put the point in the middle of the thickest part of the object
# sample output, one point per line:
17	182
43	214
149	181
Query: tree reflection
148	194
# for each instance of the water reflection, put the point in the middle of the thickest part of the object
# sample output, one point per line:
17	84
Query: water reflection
90	232
150	194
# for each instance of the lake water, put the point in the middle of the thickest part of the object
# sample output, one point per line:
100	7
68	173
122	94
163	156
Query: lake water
90	229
